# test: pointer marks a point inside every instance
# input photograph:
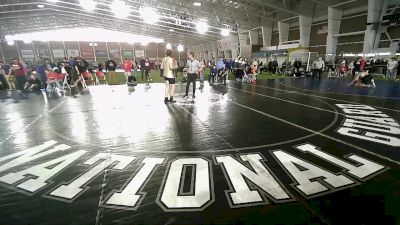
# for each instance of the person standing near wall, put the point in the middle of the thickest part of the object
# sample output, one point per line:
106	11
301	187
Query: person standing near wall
193	67
391	69
41	71
297	65
220	65
80	67
17	70
72	62
240	69
318	66
110	67
127	66
3	82
147	69
167	68
284	67
274	66
142	65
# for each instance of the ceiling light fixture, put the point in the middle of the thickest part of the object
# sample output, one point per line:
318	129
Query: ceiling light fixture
120	9
168	46
149	15
197	3
10	42
225	32
53	1
171	30
202	27
89	5
40	6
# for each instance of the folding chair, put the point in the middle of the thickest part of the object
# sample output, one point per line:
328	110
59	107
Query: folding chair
100	77
92	79
84	75
53	85
65	85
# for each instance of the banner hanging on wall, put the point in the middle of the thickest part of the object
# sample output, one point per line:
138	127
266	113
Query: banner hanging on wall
58	53
87	53
139	53
101	53
44	53
115	53
127	53
27	54
72	52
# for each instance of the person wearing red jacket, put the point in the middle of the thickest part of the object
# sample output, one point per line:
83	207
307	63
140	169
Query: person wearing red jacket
18	72
127	65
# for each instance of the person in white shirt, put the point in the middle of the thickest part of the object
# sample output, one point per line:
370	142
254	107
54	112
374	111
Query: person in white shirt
193	66
318	67
391	69
167	67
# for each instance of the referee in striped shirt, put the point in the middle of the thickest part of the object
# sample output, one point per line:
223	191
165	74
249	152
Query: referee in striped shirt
193	66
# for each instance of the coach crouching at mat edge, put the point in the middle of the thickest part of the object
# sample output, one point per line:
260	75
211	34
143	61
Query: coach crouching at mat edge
193	67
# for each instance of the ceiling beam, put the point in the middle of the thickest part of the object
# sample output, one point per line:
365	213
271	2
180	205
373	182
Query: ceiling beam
95	19
106	12
319	2
275	5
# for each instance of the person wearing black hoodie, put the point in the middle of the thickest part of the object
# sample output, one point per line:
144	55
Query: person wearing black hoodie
3	82
142	66
110	66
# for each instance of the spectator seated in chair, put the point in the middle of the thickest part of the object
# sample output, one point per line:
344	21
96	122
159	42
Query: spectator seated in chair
223	76
343	69
250	76
33	84
53	81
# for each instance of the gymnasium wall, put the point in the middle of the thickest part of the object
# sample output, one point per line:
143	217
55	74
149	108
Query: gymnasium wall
345	44
101	52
